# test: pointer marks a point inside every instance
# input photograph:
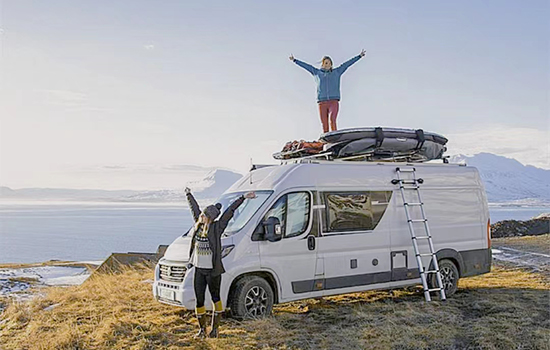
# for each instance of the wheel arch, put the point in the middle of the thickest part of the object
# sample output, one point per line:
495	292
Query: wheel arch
267	275
454	256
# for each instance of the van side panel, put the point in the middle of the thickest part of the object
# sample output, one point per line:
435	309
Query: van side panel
456	208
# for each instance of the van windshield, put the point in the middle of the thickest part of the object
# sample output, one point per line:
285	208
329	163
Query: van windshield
244	212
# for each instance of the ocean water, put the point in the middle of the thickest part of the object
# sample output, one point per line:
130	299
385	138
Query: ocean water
516	213
75	231
35	232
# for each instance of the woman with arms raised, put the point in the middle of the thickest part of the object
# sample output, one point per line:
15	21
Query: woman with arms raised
205	254
328	87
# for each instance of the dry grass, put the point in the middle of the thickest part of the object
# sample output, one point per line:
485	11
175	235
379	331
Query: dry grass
506	309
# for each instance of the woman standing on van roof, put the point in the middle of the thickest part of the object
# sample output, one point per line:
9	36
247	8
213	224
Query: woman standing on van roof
206	255
328	87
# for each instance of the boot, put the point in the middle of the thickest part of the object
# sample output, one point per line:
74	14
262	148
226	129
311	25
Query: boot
202	324
216	317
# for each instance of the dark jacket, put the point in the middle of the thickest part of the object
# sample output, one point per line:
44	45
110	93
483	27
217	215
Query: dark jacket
215	231
328	81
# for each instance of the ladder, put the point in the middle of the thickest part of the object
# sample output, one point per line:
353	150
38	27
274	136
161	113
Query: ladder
411	184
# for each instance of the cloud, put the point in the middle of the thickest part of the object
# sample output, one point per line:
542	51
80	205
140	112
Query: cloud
149	47
530	146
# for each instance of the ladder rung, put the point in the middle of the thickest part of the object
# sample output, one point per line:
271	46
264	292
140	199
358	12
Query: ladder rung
418	220
425	254
410	188
431	271
422	237
414	204
406	170
435	290
408	182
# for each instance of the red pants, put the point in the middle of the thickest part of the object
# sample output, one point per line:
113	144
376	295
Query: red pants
326	109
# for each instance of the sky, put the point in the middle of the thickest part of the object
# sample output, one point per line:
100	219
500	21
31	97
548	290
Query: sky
91	86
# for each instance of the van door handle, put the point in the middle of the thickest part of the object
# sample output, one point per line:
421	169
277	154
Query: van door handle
311	242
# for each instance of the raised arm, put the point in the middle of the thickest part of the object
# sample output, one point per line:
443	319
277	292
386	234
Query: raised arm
344	66
304	65
193	205
230	211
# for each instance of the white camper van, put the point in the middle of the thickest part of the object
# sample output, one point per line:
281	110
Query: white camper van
320	228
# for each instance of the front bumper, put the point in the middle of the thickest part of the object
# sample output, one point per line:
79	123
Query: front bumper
173	294
176	289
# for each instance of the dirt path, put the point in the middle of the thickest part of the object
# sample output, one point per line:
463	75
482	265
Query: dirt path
532	252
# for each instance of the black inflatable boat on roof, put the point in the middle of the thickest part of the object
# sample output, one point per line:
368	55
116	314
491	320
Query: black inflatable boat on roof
384	142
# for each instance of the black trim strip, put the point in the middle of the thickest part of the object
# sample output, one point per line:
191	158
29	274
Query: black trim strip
350	281
476	262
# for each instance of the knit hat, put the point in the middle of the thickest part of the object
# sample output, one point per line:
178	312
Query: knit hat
212	211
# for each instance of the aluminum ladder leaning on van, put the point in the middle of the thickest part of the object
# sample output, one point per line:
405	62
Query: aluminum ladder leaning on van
409	185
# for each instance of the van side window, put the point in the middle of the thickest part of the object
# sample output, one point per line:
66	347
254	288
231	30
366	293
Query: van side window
292	210
298	207
354	211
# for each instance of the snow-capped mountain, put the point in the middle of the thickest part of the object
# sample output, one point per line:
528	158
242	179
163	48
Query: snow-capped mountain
507	180
210	187
214	183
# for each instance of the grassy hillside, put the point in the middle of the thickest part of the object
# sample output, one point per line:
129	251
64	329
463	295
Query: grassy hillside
506	309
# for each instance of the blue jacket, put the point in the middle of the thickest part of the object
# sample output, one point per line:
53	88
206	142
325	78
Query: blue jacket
328	81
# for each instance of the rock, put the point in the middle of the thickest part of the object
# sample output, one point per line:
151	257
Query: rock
514	228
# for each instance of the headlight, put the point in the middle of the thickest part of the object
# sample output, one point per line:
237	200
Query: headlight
226	249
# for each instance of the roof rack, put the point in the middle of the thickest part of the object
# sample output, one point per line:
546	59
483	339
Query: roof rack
376	155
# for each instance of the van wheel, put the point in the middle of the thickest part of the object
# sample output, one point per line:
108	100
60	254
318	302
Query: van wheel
252	297
449	277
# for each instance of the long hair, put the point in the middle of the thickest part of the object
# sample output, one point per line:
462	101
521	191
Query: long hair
198	223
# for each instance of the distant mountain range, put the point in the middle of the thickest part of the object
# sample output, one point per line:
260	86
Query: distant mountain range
506	181
210	187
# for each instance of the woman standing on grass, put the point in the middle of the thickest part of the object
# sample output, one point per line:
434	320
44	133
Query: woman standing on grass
328	87
206	255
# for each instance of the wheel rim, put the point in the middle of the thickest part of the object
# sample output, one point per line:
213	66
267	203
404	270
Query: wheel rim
448	278
256	302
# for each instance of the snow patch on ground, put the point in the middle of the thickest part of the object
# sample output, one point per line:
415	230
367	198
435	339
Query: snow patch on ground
537	261
90	262
17	282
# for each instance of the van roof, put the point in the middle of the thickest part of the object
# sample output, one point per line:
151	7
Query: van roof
346	174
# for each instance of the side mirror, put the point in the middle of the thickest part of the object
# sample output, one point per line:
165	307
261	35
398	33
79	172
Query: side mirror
272	229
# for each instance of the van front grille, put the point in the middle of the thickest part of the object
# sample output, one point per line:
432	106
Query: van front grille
172	273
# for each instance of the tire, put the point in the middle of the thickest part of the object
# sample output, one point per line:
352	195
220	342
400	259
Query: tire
251	298
449	277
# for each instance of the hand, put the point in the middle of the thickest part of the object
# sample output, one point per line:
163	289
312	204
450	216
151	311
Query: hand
291	57
250	195
362	54
187	190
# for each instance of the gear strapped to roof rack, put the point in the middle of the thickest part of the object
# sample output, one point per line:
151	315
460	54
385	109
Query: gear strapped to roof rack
369	144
